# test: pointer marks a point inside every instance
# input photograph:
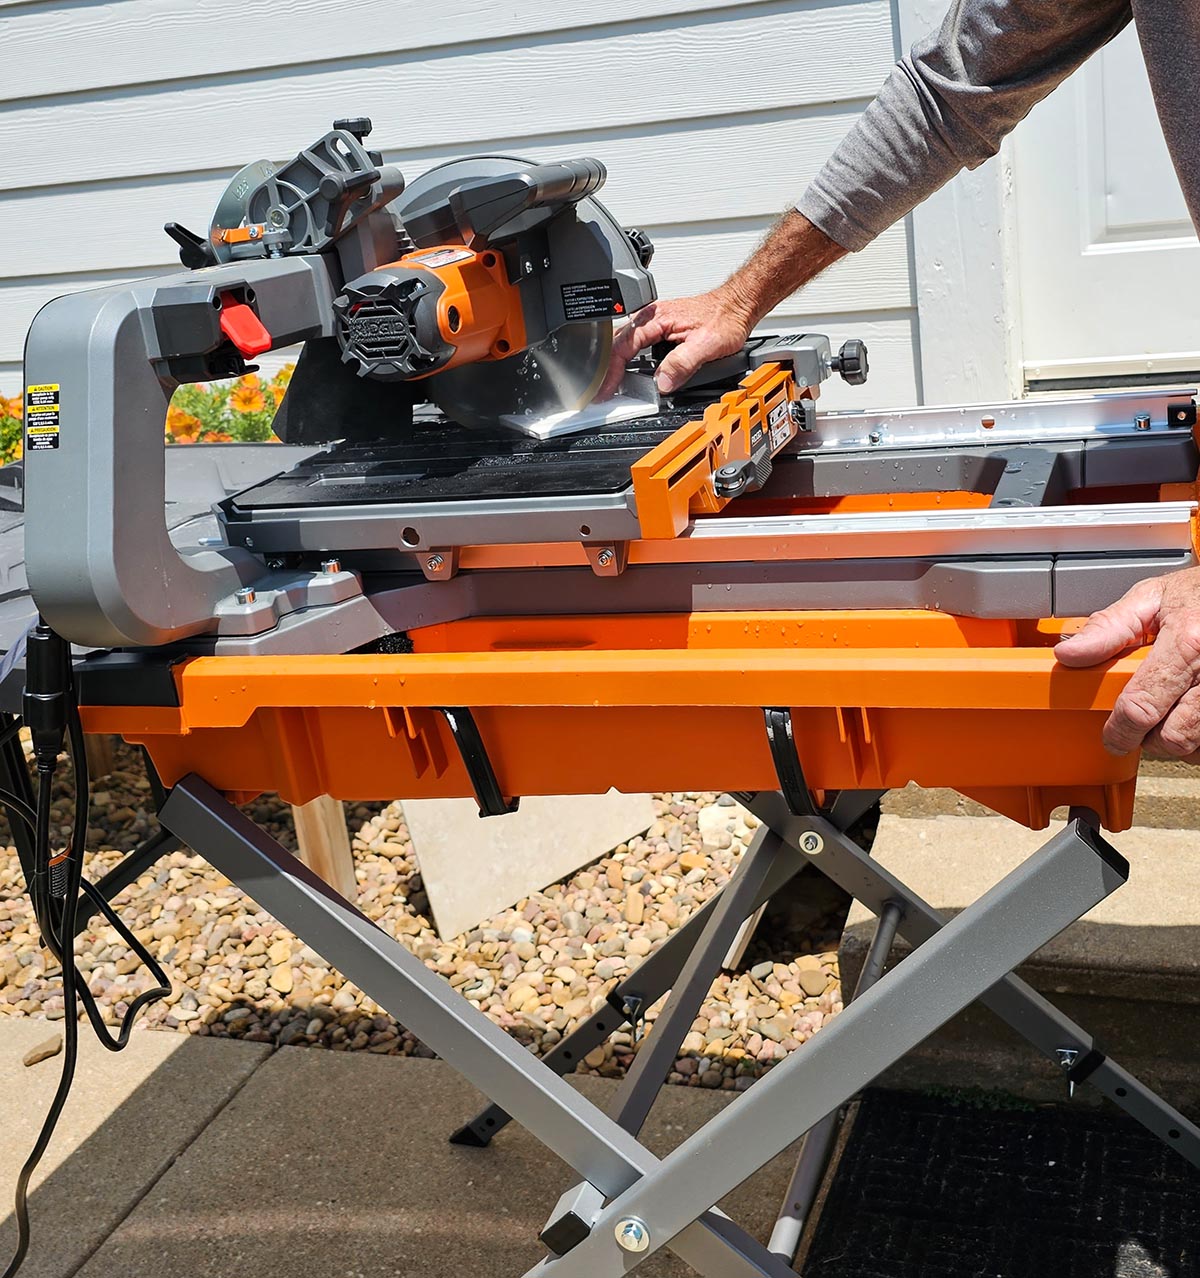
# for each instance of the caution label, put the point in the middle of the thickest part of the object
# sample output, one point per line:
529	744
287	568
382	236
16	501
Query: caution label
41	416
779	422
591	299
440	257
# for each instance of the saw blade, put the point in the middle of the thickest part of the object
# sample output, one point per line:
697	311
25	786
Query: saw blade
231	207
559	375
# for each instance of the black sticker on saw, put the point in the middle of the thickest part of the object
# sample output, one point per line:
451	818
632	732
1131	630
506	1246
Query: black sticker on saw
592	299
41	416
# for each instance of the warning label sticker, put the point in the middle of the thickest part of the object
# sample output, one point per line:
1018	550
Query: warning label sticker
779	423
591	299
441	257
41	416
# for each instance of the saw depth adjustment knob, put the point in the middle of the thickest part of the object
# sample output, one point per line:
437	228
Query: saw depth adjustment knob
851	362
359	126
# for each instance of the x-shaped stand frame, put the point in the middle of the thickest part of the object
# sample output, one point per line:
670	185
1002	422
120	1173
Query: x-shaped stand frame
630	1202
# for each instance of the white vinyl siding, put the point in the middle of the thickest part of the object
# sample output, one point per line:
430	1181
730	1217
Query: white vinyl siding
710	118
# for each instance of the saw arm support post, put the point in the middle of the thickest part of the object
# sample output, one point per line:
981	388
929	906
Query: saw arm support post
99	556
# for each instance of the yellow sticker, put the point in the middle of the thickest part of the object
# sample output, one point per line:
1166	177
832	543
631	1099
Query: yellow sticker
41	416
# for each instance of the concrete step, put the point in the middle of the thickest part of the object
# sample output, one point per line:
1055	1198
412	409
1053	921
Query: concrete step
1168	798
1129	971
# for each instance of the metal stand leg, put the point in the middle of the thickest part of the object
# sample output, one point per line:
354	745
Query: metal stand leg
569	1223
645	986
567	1123
818	1143
1073	872
1012	999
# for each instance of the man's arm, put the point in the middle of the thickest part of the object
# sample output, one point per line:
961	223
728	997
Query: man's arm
946	106
705	328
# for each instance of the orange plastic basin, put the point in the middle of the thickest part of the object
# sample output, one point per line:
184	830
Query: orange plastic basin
652	703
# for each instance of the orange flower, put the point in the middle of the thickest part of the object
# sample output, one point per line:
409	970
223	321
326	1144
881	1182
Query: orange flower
182	426
278	393
216	437
284	376
246	398
15	407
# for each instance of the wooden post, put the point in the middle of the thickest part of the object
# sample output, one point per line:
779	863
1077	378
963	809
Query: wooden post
323	843
99	751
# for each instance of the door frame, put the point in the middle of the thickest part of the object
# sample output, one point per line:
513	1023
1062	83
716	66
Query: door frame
964	246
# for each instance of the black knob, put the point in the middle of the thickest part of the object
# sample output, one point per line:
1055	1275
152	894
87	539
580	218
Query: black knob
851	362
643	246
359	125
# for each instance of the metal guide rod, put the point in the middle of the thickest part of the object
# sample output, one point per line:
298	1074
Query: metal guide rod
1073	872
1016	1002
818	1143
1117	527
549	1108
1103	416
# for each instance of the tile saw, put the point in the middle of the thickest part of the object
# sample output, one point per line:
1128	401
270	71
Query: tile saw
481	582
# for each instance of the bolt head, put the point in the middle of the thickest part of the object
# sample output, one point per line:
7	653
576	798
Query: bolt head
1141	421
604	558
434	562
876	437
246	595
632	1234
811	843
331	565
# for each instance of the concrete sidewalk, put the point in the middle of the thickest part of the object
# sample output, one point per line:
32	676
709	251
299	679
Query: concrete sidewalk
187	1157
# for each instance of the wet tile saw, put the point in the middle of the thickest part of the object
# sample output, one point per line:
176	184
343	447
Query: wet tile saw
465	494
478	581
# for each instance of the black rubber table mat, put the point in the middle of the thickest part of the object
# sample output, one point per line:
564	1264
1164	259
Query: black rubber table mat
446	462
932	1186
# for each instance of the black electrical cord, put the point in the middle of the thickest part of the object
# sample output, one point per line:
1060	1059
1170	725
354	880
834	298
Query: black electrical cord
56	886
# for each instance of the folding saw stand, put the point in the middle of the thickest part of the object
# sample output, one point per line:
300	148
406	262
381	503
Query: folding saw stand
629	1203
879	607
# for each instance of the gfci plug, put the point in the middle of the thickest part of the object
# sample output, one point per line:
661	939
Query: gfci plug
44	703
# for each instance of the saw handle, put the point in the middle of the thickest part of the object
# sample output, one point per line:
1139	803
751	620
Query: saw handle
567	181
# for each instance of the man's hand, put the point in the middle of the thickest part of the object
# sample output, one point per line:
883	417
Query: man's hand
703	328
1160	707
714	324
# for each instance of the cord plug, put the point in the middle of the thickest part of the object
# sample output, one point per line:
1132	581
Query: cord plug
44	701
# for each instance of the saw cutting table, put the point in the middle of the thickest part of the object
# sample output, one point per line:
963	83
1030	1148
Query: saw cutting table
732	592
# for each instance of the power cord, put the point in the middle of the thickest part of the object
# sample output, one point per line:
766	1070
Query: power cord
50	711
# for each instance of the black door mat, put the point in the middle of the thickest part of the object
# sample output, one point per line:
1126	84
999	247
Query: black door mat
964	1187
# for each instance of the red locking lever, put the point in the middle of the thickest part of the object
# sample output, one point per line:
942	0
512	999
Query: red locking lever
243	328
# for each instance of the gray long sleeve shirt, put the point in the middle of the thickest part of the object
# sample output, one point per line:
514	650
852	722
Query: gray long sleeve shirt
948	105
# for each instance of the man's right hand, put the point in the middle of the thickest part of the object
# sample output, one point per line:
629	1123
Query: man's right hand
702	329
714	324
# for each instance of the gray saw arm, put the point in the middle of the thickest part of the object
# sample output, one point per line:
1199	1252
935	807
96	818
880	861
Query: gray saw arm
100	562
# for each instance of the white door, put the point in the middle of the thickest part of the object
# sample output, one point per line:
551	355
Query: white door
1108	262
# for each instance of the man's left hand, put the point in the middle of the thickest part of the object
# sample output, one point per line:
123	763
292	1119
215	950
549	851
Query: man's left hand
1159	709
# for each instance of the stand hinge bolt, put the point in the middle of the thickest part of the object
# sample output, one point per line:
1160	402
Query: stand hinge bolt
811	842
1067	1056
331	565
246	595
604	558
434	562
632	1234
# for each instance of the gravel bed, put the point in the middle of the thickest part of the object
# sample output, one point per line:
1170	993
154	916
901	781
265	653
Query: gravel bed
536	970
